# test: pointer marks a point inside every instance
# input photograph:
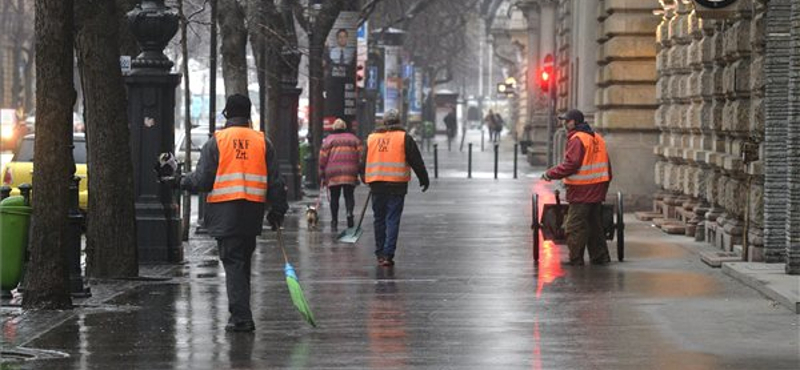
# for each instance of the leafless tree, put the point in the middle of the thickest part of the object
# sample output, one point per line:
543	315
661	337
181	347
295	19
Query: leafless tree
47	275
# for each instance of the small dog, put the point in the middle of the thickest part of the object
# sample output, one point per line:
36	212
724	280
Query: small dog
311	217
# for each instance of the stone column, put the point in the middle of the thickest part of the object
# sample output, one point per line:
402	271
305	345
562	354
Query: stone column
531	92
779	49
663	97
793	151
626	95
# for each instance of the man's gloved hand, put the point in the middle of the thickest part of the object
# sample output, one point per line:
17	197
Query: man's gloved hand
275	220
424	186
545	177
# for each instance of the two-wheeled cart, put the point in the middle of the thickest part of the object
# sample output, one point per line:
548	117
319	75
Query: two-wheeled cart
551	223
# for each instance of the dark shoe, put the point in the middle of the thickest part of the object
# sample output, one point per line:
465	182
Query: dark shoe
571	263
241	327
387	262
602	262
350	221
334	225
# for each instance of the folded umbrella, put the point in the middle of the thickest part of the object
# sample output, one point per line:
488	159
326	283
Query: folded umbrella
298	298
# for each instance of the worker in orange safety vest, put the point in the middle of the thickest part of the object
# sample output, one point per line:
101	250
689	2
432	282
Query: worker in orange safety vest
390	156
586	172
238	168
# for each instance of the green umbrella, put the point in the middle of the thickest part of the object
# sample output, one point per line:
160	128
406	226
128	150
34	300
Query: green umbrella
298	298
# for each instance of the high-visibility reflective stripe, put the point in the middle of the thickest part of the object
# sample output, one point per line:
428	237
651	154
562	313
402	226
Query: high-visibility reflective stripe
589	177
593	166
238	189
387	164
387	173
242	176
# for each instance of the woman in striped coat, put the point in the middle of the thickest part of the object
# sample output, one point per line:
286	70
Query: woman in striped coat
339	167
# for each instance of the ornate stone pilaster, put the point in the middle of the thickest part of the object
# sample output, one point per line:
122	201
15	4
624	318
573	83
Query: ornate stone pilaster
793	150
776	186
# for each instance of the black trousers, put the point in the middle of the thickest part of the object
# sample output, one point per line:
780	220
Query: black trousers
236	254
349	200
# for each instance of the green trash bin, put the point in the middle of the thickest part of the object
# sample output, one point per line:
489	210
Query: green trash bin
15	218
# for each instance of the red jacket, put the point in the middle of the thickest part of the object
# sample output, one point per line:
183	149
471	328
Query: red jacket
594	193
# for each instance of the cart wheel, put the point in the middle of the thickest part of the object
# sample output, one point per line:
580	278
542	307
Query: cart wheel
535	225
620	228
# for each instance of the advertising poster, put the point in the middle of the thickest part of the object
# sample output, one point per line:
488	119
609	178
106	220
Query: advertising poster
340	66
393	85
362	50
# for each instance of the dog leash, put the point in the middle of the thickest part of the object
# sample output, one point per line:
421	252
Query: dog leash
322	188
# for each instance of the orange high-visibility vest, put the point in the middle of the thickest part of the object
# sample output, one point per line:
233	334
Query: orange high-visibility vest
386	157
594	168
242	169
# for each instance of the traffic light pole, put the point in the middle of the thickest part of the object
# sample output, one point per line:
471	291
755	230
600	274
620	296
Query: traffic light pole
551	117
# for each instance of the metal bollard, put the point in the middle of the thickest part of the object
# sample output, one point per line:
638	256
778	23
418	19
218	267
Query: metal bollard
482	135
5	192
516	147
469	162
435	161
74	231
496	155
25	190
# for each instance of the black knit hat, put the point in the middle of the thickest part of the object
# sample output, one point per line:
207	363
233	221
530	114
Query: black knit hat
572	114
237	105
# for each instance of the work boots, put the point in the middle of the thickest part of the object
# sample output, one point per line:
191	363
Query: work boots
335	224
350	221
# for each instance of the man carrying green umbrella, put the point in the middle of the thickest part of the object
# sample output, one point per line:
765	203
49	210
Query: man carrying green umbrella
238	168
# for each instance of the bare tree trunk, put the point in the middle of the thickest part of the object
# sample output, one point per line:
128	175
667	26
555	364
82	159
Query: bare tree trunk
187	120
47	285
234	47
16	89
260	14
111	233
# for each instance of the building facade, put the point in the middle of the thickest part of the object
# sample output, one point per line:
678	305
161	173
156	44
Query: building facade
700	109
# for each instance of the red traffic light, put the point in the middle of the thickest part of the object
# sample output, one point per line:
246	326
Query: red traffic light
546	74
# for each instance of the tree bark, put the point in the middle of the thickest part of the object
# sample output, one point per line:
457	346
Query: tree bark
47	285
111	232
234	46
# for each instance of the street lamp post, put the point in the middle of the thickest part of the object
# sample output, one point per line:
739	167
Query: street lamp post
315	99
151	107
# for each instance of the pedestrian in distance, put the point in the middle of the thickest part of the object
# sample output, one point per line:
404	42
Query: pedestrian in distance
239	170
586	171
489	121
339	166
498	126
390	156
451	125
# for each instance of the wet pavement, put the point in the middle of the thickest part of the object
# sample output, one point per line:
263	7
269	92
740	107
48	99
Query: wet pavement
465	294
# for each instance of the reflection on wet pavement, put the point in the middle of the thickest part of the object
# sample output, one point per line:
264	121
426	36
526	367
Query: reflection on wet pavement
465	294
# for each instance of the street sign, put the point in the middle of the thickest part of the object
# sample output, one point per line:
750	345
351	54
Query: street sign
125	64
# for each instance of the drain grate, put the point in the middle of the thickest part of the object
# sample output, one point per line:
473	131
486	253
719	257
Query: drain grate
21	354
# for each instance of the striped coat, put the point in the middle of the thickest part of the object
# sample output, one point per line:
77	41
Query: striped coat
339	158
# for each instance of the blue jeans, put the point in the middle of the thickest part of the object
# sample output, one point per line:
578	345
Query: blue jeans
386	210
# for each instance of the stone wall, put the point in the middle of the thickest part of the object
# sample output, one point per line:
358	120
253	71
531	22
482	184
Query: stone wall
711	118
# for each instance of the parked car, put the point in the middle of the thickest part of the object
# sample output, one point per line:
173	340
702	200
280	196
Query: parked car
199	137
20	169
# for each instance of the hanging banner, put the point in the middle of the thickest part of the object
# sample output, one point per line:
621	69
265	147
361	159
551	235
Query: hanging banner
340	67
415	97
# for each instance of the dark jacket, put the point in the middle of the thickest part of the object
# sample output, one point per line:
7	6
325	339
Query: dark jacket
413	158
573	158
239	217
